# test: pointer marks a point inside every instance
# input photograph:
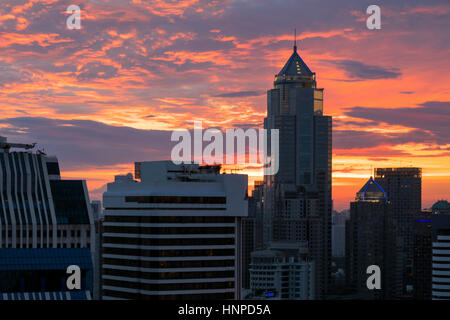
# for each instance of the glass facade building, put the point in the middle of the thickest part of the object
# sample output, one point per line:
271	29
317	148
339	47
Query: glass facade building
45	226
297	199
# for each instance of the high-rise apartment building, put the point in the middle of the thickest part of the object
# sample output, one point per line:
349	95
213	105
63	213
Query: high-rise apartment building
46	225
297	199
174	234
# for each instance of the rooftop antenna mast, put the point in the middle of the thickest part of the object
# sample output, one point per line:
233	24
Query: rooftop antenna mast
295	39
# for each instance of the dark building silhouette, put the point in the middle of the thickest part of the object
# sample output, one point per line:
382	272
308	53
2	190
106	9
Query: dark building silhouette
248	244
368	241
421	269
252	231
404	190
387	228
297	199
441	206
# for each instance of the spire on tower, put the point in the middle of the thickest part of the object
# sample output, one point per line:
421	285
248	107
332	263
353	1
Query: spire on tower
295	39
295	66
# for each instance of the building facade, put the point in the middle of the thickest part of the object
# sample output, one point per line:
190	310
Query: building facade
440	253
252	231
421	268
97	212
368	241
175	234
297	199
282	272
338	234
46	225
404	189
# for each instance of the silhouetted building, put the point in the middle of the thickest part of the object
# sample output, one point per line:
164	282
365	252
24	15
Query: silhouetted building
441	206
97	212
248	244
252	231
175	234
368	240
297	199
403	187
257	208
46	225
338	234
421	269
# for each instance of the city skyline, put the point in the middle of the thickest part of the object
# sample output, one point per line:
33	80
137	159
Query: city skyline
136	71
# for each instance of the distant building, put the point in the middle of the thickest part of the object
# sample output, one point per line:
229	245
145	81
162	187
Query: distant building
282	272
368	240
252	231
97	212
46	225
421	268
441	251
256	205
175	234
404	191
338	234
441	206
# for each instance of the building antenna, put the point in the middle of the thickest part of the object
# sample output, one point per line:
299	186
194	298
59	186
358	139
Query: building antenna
295	39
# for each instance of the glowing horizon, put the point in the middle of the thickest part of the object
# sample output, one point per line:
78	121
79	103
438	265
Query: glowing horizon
105	96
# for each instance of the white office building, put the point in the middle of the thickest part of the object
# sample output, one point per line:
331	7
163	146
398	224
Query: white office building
173	233
282	272
441	252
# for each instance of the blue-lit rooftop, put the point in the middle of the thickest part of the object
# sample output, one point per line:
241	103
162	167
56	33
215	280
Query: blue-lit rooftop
371	191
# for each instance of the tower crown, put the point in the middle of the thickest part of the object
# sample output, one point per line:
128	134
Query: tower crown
295	70
295	66
371	191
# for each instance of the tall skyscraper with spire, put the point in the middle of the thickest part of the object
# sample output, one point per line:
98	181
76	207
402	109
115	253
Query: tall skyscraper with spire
297	204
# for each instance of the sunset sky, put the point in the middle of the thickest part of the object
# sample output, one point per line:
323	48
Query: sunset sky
111	93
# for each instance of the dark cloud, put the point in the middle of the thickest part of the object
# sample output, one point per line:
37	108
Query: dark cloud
352	139
94	70
85	142
11	74
361	71
81	143
431	119
362	124
239	94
